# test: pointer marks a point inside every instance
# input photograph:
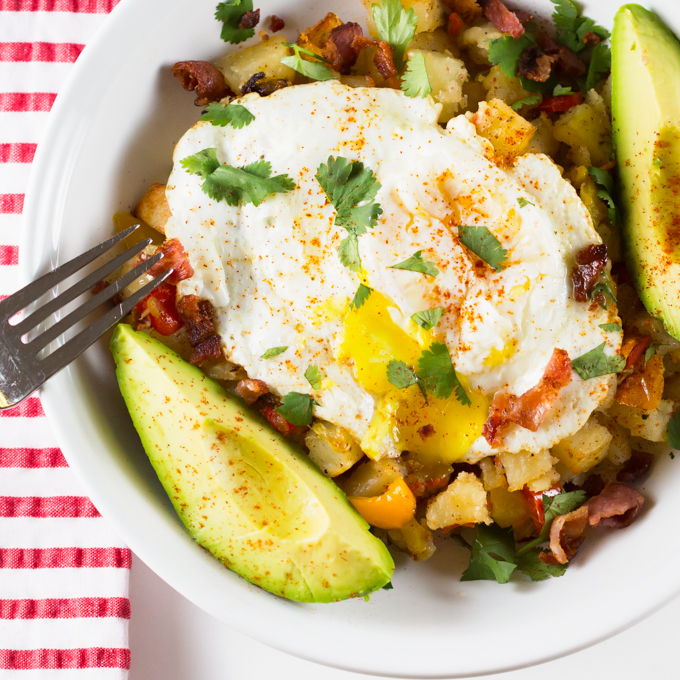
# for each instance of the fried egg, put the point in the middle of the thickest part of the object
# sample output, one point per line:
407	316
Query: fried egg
274	277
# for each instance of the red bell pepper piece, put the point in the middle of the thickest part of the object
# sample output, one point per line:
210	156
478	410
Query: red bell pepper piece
161	310
456	24
276	420
535	504
560	103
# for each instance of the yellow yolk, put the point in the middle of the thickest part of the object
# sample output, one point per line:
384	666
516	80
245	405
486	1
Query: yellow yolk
500	356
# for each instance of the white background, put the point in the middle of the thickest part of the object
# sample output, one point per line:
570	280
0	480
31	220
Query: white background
171	639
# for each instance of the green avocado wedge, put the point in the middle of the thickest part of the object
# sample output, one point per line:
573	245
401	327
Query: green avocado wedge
244	492
646	125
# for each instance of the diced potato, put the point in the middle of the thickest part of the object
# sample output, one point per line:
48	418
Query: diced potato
476	41
414	538
124	220
239	66
587	125
543	141
154	208
357	81
332	448
579	155
585	449
223	370
651	425
508	508
493	474
373	477
503	87
474	92
177	342
316	37
463	502
544	482
523	467
447	75
431	14
596	206
437	41
619	450
139	283
365	66
507	131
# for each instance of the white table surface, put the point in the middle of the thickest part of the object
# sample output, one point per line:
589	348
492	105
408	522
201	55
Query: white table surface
171	639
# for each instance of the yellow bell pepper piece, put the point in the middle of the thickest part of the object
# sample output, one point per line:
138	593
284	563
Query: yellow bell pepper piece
390	510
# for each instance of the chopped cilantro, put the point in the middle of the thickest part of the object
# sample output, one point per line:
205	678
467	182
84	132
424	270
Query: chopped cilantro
428	318
400	374
505	52
560	91
296	408
230	14
351	188
360	296
396	26
603	179
234	114
523	203
388	586
527	101
650	352
312	69
416	263
571	27
610	327
605	286
530	564
274	352
484	245
415	82
596	363
314	377
249	184
600	65
493	555
436	371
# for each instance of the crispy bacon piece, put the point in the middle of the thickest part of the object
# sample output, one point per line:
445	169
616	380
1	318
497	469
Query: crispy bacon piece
591	39
204	78
339	48
467	10
523	16
502	18
529	409
568	61
593	486
277	421
251	390
534	501
197	315
566	535
210	348
635	467
535	64
590	263
617	506
276	24
174	258
384	58
249	20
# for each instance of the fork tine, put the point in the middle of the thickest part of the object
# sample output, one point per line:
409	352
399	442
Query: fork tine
41	341
65	354
78	288
15	303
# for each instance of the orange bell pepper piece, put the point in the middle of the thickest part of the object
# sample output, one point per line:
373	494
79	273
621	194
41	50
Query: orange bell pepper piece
644	387
390	510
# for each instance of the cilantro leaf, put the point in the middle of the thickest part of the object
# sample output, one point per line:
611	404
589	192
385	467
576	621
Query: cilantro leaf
360	296
249	184
604	286
523	203
596	363
395	26
400	374
600	65
484	245
416	263
273	352
428	318
234	114
493	555
388	586
673	432
527	101
296	408
348	252
312	69
553	507
415	82
314	377
530	564
605	180
436	371
571	27
560	90
610	327
505	52
309	53
230	14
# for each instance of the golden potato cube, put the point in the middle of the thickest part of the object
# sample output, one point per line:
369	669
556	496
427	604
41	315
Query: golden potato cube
475	41
585	449
523	467
543	141
372	477
436	41
154	208
508	508
463	502
414	538
357	81
493	474
265	57
431	14
619	450
507	131
316	37
365	66
587	125
596	206
544	482
332	448
651	425
505	88
447	75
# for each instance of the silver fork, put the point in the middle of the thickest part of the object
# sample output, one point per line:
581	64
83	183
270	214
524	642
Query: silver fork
22	369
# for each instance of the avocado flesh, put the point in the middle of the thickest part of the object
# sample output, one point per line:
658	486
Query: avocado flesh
646	124
244	492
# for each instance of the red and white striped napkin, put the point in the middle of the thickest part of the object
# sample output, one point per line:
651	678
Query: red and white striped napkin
64	574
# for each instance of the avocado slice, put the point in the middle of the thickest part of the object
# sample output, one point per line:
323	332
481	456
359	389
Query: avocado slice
646	124
245	493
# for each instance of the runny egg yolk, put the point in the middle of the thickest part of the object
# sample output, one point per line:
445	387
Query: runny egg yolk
439	429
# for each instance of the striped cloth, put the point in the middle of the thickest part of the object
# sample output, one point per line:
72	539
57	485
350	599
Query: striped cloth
64	606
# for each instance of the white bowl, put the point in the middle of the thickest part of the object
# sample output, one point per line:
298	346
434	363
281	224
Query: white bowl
110	134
